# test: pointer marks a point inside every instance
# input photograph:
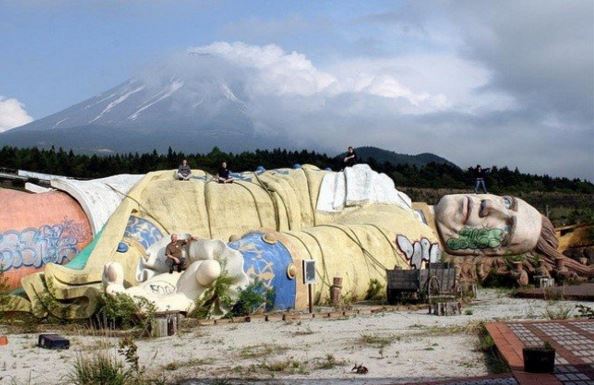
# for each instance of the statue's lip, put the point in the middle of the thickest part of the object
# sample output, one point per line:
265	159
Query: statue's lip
466	206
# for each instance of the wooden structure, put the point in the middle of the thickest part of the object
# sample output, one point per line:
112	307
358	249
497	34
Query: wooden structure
438	279
165	324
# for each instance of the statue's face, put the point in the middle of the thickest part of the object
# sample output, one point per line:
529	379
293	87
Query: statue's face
487	224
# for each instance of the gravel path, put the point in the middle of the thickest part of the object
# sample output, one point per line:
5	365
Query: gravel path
399	346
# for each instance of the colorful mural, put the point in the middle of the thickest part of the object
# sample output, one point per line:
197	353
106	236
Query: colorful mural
143	231
477	238
268	262
35	247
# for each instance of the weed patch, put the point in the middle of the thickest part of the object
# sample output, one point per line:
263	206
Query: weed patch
260	351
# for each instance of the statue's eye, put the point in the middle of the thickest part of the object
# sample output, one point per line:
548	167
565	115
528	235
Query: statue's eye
508	202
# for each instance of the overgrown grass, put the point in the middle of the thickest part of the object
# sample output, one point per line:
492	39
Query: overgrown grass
260	351
377	341
486	345
193	362
121	311
105	367
557	311
374	291
284	366
328	362
100	368
305	332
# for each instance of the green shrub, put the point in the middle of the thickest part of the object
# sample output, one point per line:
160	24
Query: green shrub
100	368
215	300
585	311
256	296
125	312
374	290
558	312
486	345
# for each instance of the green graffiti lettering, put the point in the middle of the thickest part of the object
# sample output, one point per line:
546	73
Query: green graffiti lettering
477	238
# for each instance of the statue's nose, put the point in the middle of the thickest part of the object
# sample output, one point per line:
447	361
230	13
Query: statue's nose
491	208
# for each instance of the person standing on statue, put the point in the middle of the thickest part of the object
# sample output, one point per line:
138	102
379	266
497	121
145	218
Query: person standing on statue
480	174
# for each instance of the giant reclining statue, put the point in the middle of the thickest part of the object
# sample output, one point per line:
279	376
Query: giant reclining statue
353	223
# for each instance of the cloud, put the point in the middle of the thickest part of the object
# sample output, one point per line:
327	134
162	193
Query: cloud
537	62
541	51
12	114
442	102
412	84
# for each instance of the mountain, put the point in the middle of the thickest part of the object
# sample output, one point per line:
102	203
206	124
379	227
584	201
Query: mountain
381	156
189	110
142	115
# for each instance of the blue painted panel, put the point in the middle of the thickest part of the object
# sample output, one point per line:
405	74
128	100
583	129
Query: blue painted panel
142	230
268	263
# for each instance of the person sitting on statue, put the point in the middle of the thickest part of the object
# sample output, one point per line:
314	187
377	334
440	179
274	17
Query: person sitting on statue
173	253
351	157
223	174
184	172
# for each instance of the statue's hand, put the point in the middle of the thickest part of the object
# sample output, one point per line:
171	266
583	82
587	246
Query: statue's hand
113	277
208	272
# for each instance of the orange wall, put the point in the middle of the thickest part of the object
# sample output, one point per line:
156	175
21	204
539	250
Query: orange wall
36	229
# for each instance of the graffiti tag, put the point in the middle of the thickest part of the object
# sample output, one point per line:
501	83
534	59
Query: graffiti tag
39	246
418	251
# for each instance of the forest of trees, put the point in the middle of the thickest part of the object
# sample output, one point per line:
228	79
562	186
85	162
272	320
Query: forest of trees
432	175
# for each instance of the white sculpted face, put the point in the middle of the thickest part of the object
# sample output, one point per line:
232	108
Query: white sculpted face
487	224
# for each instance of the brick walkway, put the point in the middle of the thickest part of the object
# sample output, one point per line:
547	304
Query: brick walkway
573	341
501	379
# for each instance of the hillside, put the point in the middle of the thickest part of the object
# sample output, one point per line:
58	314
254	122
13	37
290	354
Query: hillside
381	156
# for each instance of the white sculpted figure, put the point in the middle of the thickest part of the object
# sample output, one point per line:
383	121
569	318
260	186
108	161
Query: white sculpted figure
178	291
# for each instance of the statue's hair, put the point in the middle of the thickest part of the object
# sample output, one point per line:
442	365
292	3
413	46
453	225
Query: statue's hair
547	246
547	242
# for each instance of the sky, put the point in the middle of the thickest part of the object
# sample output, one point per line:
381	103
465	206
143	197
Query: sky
509	83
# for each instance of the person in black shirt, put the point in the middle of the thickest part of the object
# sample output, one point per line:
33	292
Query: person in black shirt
480	178
223	174
351	157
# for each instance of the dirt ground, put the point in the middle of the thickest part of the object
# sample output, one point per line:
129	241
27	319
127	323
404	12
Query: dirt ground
406	346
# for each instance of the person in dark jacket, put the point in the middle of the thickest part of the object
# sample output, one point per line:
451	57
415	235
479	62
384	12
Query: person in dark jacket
351	157
223	174
480	174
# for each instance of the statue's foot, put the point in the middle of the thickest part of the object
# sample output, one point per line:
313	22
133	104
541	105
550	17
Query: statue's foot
113	277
